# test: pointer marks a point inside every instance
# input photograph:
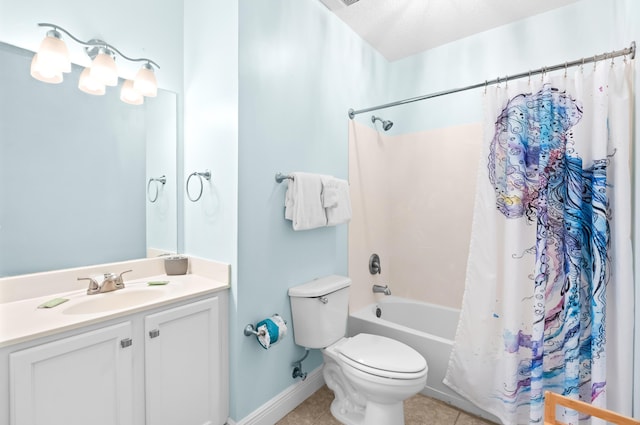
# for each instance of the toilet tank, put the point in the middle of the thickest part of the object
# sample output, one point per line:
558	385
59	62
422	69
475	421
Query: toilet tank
320	309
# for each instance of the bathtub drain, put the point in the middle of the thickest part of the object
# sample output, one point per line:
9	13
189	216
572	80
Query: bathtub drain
378	312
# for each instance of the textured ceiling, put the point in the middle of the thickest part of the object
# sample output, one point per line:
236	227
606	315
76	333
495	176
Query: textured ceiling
401	28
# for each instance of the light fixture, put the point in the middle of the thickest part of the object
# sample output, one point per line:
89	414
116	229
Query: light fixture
145	81
53	56
103	68
43	74
52	59
88	84
128	94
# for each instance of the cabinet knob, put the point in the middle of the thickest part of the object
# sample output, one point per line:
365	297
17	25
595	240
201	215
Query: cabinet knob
154	333
124	343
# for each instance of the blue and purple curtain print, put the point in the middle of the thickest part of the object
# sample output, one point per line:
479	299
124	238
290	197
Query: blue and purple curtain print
548	289
538	176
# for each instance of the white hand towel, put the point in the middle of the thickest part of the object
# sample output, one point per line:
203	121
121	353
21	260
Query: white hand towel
340	212
329	192
303	201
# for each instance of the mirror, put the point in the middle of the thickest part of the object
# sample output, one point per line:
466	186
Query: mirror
74	172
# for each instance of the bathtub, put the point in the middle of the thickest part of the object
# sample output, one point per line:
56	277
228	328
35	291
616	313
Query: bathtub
428	328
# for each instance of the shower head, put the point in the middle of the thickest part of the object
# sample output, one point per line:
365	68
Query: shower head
386	125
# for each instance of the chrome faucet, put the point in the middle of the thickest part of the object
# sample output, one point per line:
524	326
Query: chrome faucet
382	289
110	282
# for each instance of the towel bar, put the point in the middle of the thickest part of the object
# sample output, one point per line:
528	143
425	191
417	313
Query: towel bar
282	177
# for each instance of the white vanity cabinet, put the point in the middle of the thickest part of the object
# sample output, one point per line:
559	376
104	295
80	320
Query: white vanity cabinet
183	361
79	380
165	365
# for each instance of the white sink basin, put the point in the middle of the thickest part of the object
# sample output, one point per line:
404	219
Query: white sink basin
116	300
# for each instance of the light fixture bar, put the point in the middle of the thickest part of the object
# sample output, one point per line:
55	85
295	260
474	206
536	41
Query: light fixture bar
98	43
52	60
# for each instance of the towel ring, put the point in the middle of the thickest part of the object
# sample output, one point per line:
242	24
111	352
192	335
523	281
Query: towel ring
162	179
206	174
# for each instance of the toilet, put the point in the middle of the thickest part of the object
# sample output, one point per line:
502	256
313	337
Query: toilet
370	375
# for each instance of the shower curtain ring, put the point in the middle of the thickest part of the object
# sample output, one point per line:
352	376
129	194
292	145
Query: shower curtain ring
612	61
566	65
595	61
529	77
486	83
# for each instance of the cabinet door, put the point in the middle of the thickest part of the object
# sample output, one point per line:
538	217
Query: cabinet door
80	380
182	365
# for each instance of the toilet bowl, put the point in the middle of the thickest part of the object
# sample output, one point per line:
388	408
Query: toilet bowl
370	375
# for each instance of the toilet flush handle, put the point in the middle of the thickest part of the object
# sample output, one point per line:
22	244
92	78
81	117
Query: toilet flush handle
324	300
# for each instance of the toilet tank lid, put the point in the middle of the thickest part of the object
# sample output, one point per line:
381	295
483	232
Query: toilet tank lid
319	287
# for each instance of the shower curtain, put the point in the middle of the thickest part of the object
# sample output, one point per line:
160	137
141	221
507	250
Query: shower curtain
548	301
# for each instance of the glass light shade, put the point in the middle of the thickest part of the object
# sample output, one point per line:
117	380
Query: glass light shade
90	85
44	75
145	82
103	68
129	95
53	55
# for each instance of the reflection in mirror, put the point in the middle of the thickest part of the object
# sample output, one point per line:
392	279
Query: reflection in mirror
161	127
74	170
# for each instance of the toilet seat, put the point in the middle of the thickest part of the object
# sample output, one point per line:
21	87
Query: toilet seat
381	356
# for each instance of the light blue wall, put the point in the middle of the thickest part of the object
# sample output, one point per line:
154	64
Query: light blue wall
210	128
300	70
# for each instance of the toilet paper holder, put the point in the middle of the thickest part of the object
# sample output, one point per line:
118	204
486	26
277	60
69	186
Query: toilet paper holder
268	331
251	330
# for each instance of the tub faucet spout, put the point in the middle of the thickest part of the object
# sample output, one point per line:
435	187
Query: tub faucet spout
382	289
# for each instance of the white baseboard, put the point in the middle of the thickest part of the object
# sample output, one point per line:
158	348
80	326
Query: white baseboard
278	407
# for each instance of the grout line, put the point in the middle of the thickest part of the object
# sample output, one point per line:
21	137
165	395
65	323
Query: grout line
457	418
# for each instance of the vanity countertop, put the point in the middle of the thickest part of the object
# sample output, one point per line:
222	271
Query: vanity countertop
21	320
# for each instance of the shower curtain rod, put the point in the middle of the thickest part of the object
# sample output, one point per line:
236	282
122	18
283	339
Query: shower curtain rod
631	50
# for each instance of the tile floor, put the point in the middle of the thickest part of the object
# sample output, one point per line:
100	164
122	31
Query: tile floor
418	410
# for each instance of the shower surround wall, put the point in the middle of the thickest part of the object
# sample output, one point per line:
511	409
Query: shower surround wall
412	200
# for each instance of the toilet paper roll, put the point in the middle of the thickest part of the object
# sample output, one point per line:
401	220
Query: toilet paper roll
271	330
